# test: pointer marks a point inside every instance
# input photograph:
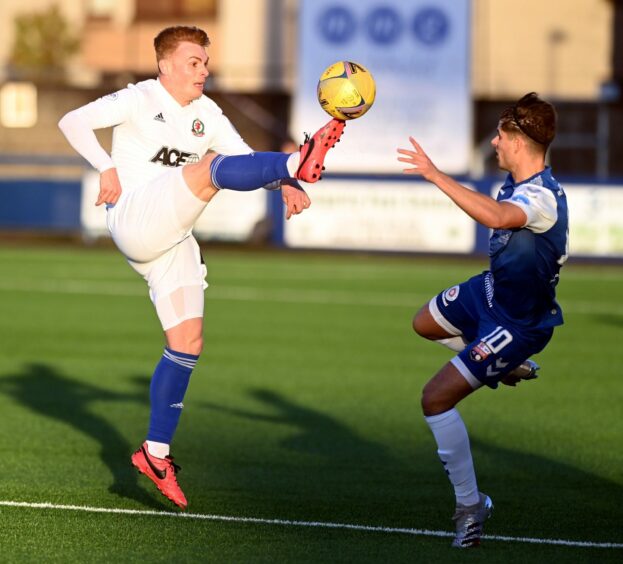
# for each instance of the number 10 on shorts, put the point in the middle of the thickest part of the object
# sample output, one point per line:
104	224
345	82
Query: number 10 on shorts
498	339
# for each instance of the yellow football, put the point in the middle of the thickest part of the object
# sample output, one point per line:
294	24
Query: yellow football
346	90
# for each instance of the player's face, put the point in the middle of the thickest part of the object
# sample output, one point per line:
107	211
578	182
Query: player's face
187	71
504	148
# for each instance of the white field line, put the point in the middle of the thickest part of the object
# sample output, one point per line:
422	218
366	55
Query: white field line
308	524
239	293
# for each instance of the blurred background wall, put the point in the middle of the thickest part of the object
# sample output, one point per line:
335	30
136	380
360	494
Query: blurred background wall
564	49
58	54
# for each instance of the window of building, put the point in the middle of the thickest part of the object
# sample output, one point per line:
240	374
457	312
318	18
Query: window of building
101	9
18	104
168	9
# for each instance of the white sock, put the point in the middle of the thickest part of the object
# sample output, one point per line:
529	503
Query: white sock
293	163
453	449
159	450
457	344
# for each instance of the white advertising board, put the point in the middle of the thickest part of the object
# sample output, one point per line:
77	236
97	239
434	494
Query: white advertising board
595	219
381	215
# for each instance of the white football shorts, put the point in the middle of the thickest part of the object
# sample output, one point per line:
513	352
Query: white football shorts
152	227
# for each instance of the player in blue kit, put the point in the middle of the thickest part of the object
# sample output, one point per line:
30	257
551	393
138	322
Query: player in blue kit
173	150
499	318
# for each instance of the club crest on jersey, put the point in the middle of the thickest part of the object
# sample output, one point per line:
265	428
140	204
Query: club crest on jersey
480	352
198	128
450	295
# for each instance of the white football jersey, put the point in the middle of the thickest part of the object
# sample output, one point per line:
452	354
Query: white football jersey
153	132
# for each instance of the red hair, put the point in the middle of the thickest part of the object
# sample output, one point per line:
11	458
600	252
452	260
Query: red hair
169	38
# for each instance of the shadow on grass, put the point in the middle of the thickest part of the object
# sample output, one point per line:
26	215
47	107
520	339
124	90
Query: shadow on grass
319	465
353	478
316	433
45	391
613	319
536	496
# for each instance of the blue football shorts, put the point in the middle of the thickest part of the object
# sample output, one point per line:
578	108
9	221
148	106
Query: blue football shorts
495	346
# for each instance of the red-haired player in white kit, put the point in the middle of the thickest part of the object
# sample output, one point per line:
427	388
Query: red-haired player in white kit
172	151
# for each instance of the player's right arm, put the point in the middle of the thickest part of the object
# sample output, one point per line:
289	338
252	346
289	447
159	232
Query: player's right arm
110	187
79	127
484	209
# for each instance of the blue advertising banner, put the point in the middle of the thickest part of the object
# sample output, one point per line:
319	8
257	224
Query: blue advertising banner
418	53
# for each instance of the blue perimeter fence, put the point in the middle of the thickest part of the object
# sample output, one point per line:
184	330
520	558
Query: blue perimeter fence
54	205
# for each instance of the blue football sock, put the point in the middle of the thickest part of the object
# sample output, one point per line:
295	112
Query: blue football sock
248	172
166	394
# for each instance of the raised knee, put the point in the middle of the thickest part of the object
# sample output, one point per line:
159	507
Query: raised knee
425	325
198	177
416	325
420	324
206	160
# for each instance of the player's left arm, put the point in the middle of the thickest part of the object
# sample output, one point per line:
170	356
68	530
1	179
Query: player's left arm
482	208
294	197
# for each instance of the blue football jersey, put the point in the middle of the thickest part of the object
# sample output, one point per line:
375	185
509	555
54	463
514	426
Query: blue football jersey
525	262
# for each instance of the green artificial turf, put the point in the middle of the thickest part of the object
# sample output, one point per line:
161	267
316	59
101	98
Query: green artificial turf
303	407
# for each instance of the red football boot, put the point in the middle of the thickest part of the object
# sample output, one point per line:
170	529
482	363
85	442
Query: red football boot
161	471
315	148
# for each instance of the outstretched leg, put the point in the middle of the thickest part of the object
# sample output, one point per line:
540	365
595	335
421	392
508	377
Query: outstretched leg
257	170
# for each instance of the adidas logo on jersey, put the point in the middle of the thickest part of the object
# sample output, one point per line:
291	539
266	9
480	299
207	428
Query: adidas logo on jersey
160	117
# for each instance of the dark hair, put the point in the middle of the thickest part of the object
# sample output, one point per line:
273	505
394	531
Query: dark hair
533	117
169	38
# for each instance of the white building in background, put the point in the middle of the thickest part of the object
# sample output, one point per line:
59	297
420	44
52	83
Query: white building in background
560	48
